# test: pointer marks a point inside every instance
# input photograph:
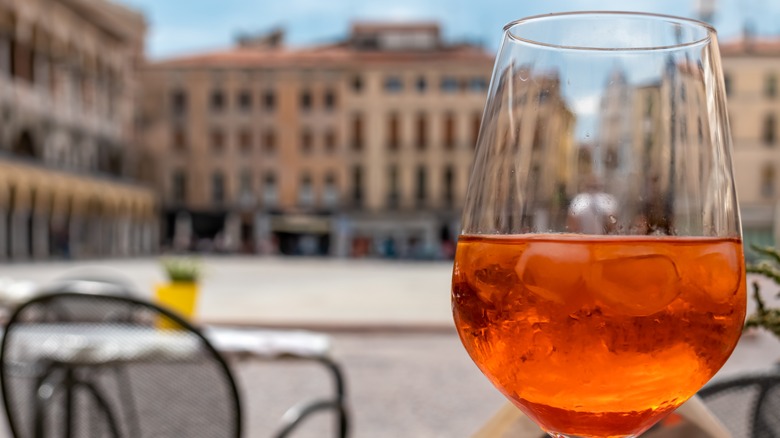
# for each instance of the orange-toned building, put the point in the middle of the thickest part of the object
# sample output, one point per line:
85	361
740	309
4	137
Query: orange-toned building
751	67
354	148
67	116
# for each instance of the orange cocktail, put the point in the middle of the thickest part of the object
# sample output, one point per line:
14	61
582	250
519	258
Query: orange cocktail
598	335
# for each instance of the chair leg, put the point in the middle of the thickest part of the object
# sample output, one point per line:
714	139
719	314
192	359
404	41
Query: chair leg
44	391
103	405
70	401
295	415
126	390
340	389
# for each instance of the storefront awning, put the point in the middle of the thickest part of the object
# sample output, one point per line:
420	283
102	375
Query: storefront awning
300	224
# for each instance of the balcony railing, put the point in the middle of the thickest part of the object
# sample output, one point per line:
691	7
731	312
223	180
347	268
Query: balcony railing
30	99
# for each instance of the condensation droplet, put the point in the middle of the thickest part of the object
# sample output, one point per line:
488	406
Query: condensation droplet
612	219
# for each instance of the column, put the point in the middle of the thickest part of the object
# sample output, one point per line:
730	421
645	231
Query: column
232	232
20	233
40	236
3	235
146	237
263	237
182	231
123	237
74	243
341	236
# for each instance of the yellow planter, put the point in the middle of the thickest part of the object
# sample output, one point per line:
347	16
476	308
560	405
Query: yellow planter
179	297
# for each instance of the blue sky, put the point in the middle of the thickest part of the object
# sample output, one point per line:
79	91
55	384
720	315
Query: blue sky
186	26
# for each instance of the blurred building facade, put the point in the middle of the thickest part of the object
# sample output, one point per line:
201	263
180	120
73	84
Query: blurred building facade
355	148
751	68
67	87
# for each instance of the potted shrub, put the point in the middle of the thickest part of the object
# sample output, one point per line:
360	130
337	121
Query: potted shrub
180	294
769	267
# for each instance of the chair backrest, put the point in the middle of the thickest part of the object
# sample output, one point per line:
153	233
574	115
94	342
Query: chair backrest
749	406
96	374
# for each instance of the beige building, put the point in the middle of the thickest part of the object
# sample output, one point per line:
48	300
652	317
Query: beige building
359	147
752	69
67	88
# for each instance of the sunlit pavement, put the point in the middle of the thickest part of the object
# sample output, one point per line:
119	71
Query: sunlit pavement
407	373
294	291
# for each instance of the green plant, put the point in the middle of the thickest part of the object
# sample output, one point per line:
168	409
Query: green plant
182	269
768	318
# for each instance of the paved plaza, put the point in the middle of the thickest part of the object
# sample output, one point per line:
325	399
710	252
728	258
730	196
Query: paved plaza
390	322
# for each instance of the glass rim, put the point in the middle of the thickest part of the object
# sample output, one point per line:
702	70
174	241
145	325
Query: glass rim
710	30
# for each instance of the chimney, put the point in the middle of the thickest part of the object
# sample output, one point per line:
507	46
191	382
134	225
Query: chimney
273	39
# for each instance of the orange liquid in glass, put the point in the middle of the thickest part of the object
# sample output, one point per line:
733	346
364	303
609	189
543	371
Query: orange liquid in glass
598	336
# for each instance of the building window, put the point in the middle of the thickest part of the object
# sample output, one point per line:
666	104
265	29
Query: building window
449	186
330	195
306	103
269	141
770	86
393	132
769	129
393	84
421	84
478	84
179	103
768	181
357	132
330	100
217	141
306	142
179	187
357	186
421	189
357	84
330	141
179	140
245	141
217	101
449	84
422	131
245	101
218	187
449	131
305	191
394	192
269	100
476	122
727	83
22	65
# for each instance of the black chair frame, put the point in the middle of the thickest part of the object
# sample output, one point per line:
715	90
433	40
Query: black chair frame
764	383
70	381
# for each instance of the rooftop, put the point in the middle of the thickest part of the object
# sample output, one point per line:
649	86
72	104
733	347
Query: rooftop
368	43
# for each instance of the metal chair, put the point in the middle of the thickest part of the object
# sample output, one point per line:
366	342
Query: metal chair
749	406
58	373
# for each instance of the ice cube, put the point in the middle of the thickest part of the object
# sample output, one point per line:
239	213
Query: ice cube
491	272
715	276
554	271
636	285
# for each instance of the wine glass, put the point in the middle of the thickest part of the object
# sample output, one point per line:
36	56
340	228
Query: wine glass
599	280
